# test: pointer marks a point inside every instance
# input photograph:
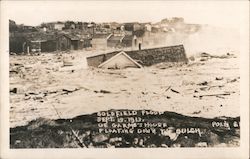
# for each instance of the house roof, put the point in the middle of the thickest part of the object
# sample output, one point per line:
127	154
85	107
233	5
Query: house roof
72	37
116	56
116	38
128	37
101	36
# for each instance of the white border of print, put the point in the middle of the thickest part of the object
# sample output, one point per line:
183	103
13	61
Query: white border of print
145	153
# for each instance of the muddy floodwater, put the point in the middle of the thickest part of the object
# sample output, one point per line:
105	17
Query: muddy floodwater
42	89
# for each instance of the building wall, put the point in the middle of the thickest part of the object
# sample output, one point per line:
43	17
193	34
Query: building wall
99	43
148	57
59	26
49	46
34	46
75	45
17	44
113	43
86	43
63	43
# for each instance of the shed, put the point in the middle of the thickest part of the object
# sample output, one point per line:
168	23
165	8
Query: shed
114	41
99	41
129	41
120	61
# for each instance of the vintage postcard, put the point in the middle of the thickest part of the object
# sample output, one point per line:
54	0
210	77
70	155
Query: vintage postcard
124	79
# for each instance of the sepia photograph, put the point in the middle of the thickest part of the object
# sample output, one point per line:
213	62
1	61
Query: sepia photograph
117	74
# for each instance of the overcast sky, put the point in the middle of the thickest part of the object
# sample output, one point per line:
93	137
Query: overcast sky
225	14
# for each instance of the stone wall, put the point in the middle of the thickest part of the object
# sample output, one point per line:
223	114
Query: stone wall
147	57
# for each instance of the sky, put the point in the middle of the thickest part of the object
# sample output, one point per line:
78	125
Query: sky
222	14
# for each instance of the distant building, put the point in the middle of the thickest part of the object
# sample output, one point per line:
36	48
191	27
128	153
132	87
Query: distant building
47	42
17	42
148	27
115	26
59	26
115	41
41	43
133	26
122	41
129	41
78	42
99	41
64	42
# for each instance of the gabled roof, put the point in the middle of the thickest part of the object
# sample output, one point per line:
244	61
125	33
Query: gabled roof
122	53
72	37
101	36
128	37
115	38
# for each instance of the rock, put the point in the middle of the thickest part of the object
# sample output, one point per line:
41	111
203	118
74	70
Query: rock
152	146
100	138
17	141
201	144
203	59
219	78
141	143
164	145
203	83
191	58
13	90
39	122
204	54
176	145
171	133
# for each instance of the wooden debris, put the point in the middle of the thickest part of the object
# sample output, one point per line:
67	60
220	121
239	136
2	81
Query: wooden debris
197	112
167	88
102	91
174	91
219	94
67	91
231	81
219	78
203	83
67	63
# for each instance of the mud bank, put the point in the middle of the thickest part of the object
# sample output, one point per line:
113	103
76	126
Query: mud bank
128	128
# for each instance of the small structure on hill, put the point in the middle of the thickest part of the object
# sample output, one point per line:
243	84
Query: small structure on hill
120	61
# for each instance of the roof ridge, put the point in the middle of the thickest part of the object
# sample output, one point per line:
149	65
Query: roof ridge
126	55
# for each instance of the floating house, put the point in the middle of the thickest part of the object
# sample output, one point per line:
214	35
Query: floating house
120	61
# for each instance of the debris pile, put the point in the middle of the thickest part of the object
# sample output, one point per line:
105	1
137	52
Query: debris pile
205	56
127	128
